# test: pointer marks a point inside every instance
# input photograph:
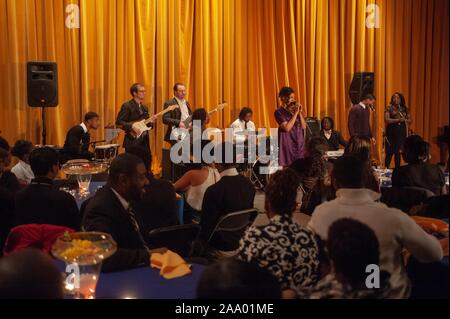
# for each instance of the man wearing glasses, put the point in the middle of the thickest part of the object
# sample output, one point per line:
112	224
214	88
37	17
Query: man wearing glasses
131	112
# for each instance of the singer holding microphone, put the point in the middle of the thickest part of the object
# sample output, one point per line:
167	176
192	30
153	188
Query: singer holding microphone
359	118
397	119
291	123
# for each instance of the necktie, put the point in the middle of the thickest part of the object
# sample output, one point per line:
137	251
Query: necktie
245	126
135	224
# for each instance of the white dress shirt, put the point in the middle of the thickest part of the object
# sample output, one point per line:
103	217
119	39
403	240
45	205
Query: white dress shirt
238	127
229	172
84	127
394	229
183	108
23	172
122	200
362	104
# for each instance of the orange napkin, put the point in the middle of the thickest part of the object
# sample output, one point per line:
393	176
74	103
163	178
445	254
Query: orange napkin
171	265
431	225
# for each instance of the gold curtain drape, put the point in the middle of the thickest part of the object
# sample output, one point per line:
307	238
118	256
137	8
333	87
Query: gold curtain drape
239	51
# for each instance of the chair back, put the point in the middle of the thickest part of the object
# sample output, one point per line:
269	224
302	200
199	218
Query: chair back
177	238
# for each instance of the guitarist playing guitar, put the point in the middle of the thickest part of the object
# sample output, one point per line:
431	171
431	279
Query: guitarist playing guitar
176	118
134	111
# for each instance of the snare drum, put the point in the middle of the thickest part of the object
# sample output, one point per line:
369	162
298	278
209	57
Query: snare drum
106	152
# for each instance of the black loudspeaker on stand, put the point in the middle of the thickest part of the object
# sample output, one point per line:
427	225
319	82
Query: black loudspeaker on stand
42	88
362	84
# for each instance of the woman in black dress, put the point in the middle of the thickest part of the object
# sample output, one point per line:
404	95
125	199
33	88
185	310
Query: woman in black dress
397	119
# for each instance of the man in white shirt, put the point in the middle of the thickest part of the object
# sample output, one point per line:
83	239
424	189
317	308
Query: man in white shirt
395	230
180	116
22	150
243	125
78	138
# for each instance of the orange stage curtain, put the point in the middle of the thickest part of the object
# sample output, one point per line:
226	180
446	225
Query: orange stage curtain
239	51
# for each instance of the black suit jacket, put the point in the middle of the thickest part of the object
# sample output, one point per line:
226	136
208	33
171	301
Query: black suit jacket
335	140
359	121
158	205
6	214
128	114
228	195
172	118
42	203
77	143
105	213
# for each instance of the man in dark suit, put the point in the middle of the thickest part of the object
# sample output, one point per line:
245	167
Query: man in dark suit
112	211
131	112
158	205
177	117
232	193
42	203
78	138
359	118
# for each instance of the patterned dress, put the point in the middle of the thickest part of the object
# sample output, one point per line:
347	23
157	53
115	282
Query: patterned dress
287	250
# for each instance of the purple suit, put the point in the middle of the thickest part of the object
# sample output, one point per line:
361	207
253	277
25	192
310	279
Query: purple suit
359	121
291	144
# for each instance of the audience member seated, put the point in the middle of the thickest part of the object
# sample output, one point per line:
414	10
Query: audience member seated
6	214
4	144
351	247
333	138
195	183
361	148
41	202
8	180
419	172
30	274
394	229
234	279
158	204
286	249
434	207
111	211
313	174
22	150
232	193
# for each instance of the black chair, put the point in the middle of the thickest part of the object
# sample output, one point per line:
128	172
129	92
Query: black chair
177	238
234	223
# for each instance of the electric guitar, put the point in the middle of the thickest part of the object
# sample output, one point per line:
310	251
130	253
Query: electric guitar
181	133
142	127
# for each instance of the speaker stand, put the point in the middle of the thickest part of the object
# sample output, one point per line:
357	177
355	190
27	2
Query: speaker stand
44	130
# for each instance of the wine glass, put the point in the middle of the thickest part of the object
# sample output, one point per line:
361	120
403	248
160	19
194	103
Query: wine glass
84	180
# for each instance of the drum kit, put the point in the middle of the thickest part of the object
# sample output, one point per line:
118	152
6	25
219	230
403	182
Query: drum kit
106	153
259	166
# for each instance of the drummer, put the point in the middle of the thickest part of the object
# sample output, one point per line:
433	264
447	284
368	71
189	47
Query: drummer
243	126
78	138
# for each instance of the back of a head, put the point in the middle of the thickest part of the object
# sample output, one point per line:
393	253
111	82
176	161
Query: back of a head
234	279
281	192
21	149
199	115
352	246
349	172
4	144
30	274
143	153
42	160
417	152
124	164
225	155
359	147
317	146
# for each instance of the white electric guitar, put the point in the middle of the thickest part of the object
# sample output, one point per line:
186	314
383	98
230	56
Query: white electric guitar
181	133
142	127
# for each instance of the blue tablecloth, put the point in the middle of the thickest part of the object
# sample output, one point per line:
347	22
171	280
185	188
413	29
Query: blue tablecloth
146	283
